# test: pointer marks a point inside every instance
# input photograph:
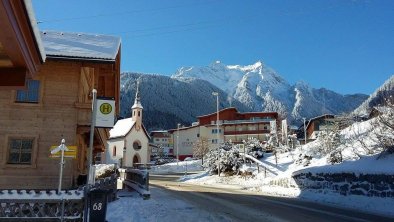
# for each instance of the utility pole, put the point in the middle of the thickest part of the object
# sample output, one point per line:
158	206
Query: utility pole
217	128
177	146
305	133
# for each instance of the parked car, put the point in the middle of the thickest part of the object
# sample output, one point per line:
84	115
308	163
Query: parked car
164	160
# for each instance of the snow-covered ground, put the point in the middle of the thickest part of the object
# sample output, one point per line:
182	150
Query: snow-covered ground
160	207
283	166
180	167
258	183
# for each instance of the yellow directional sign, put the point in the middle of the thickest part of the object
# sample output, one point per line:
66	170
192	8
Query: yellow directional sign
71	153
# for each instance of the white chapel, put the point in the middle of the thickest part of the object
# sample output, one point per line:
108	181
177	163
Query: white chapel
128	140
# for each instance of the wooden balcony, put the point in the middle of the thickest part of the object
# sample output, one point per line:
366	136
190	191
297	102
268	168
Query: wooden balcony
246	132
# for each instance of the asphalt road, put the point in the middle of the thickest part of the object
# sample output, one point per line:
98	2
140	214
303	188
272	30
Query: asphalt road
237	205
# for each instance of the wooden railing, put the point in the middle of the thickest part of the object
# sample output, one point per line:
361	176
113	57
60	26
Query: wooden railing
137	180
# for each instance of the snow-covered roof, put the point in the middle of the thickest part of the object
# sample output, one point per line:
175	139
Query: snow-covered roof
137	105
33	23
182	128
222	110
159	131
121	128
80	45
318	117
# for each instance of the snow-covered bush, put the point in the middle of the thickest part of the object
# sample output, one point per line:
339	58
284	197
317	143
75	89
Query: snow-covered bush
229	160
335	157
385	132
104	170
303	159
254	148
272	142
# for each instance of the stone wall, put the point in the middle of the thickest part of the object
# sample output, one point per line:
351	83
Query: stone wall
378	185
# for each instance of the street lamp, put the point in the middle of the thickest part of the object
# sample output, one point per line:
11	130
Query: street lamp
305	134
217	128
177	146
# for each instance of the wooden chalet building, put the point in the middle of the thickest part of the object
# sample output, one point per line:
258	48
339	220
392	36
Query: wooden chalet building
316	125
236	126
54	101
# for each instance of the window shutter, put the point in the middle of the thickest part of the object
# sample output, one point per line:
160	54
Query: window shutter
86	84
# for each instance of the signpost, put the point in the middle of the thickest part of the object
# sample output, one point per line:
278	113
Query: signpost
70	153
62	147
103	115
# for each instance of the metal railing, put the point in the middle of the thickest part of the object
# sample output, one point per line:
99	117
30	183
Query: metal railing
50	205
22	205
261	120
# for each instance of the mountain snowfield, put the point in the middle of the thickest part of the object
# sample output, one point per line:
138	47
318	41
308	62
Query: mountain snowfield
260	88
257	87
385	92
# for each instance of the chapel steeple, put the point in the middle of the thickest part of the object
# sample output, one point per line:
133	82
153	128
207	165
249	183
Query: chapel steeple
136	109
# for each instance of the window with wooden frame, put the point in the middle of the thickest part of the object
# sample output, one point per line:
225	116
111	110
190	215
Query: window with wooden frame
20	151
114	151
29	95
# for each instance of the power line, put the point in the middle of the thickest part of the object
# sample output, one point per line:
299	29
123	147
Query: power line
118	13
184	27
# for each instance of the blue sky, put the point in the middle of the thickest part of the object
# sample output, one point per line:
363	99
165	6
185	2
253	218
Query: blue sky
345	46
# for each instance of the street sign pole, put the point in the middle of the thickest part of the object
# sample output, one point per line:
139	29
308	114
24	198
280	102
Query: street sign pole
92	126
61	166
90	154
62	147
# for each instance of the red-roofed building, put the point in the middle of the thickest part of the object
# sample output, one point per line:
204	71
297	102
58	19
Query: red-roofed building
236	126
233	126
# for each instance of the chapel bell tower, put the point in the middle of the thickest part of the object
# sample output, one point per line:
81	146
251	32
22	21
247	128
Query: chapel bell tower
136	109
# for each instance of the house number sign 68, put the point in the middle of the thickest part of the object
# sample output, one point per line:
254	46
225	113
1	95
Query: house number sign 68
97	206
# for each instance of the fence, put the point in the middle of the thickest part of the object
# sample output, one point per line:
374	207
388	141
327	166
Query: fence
259	165
47	205
25	205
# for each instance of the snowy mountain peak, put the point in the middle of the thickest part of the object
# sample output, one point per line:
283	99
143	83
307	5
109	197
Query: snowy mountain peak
379	97
302	85
248	68
257	66
262	89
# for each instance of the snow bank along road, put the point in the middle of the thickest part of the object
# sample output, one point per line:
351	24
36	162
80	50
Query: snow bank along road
236	205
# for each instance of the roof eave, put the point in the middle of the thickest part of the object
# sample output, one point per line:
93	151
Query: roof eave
57	57
36	32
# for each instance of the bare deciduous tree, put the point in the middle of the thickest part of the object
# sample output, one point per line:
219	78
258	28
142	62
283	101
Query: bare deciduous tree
200	148
384	132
